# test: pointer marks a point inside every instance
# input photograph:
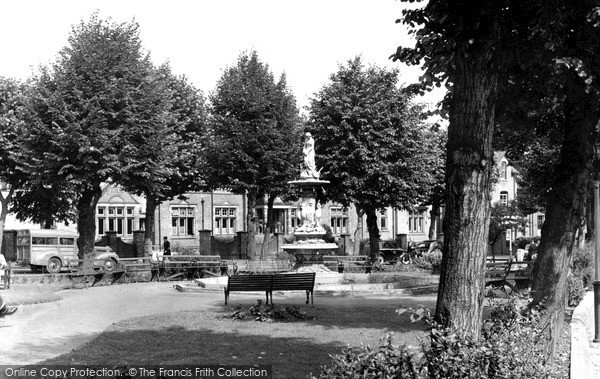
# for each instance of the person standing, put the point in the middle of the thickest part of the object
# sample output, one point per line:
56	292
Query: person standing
5	310
166	246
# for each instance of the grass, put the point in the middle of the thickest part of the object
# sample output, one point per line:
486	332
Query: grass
294	349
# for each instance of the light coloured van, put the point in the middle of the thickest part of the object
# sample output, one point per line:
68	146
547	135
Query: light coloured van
52	249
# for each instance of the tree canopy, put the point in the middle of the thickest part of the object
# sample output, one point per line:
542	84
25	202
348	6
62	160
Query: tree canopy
255	140
371	143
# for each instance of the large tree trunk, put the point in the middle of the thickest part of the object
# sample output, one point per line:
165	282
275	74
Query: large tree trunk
468	168
251	220
565	210
434	214
4	202
268	227
86	220
149	228
373	233
359	231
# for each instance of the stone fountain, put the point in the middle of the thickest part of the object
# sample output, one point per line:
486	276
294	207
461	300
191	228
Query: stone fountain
309	247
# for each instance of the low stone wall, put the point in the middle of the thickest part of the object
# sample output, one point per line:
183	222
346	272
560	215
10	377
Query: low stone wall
582	329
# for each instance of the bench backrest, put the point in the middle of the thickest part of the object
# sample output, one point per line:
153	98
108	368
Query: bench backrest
495	270
249	283
300	281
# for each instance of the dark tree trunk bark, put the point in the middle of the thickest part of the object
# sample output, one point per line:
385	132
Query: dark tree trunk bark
86	220
468	168
5	201
565	210
374	236
149	228
251	220
435	214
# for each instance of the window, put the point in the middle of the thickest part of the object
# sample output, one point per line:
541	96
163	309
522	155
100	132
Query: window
503	171
44	240
504	198
115	219
225	220
339	220
383	220
100	225
67	241
182	220
415	221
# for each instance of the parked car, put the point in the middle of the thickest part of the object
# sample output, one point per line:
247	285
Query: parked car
427	246
53	249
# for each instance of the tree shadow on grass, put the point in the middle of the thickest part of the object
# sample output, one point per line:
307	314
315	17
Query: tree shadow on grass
290	357
372	312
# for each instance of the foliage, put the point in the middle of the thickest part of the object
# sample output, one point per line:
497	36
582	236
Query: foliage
505	217
582	263
269	313
370	142
429	260
254	145
509	347
385	361
84	104
575	290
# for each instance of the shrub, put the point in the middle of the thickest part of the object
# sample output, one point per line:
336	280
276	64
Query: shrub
575	290
582	263
386	361
508	348
429	261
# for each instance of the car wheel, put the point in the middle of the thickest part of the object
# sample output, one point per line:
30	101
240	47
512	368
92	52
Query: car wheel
110	264
405	258
380	260
54	265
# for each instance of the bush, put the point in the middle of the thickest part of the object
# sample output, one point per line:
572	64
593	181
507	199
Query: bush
387	361
575	290
582	263
429	261
508	348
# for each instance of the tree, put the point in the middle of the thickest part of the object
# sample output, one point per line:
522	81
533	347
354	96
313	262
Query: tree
437	138
162	156
458	44
371	143
255	142
84	103
13	116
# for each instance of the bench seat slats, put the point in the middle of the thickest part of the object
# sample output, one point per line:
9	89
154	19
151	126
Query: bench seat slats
270	283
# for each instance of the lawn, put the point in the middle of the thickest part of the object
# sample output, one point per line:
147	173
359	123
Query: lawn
295	349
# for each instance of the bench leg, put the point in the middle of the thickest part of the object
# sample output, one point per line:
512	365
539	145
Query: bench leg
267	293
97	278
117	276
226	295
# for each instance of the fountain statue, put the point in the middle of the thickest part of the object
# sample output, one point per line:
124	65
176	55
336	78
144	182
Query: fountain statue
309	247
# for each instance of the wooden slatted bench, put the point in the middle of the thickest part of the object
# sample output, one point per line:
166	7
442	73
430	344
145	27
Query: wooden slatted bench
82	270
248	283
270	283
294	282
349	263
191	266
504	274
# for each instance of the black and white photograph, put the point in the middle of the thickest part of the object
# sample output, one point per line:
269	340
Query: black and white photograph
318	189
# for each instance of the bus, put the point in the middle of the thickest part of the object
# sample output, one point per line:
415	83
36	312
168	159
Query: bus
53	249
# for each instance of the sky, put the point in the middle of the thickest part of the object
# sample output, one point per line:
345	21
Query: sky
307	39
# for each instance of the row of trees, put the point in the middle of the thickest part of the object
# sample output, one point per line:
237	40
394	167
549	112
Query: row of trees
526	72
104	113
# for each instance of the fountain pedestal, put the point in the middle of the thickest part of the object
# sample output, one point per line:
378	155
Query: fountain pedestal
310	247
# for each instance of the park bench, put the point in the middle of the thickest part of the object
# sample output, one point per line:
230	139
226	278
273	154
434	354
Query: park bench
84	269
270	283
294	282
503	274
191	266
248	283
348	263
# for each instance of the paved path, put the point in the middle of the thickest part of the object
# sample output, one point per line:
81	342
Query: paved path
41	331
